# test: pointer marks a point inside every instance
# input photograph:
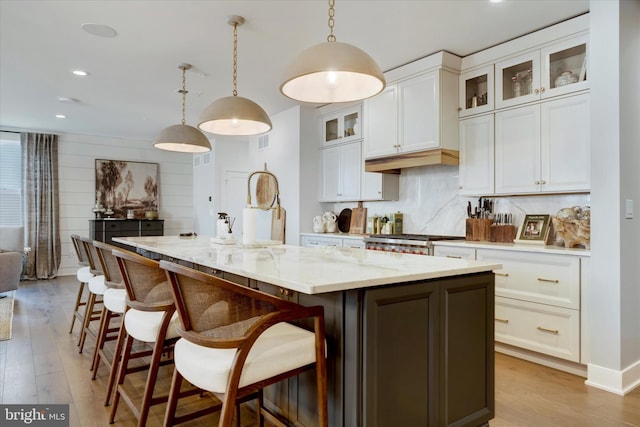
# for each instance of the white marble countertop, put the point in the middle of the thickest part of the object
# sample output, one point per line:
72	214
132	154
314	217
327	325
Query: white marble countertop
521	247
309	270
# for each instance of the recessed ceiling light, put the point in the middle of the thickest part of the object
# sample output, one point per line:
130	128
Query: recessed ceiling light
495	1
80	73
65	99
61	116
99	30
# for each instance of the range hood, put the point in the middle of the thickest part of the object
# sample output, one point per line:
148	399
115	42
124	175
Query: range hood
393	164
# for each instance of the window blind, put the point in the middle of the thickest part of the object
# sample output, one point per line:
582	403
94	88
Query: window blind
10	180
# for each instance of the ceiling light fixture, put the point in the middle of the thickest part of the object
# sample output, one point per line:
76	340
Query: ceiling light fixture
60	116
234	115
80	73
182	137
332	72
99	30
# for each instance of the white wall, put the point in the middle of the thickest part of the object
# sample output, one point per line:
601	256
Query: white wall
76	166
229	154
615	292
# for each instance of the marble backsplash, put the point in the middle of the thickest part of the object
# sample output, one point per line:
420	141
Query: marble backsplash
430	202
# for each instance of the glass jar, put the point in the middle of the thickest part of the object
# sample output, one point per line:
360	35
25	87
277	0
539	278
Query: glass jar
516	86
566	78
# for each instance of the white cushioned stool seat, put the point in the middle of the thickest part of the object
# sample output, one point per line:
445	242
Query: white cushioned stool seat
280	348
97	285
144	325
84	274
115	300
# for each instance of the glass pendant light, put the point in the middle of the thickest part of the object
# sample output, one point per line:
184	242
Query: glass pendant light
234	115
332	72
182	137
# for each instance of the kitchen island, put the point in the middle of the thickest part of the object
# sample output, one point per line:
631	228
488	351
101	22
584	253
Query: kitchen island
409	337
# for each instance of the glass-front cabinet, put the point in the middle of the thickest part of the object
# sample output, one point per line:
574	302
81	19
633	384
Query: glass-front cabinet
555	70
565	67
342	126
476	91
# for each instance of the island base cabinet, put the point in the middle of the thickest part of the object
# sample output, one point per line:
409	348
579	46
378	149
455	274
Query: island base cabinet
427	354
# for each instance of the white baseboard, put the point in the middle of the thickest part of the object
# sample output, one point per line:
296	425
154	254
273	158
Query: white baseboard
618	382
543	359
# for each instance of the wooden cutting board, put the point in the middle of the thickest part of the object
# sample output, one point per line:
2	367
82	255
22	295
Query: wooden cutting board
265	191
358	220
278	226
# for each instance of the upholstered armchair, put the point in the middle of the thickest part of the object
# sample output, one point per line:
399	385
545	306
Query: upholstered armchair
12	253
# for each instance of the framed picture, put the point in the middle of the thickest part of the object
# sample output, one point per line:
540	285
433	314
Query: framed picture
535	229
127	187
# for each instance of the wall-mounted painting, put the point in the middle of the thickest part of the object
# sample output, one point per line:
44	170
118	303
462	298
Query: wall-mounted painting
127	187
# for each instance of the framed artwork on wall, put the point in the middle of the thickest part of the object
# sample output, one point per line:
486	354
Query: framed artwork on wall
129	189
534	229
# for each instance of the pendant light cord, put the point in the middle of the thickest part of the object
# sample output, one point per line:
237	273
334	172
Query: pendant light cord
332	13
184	92
235	59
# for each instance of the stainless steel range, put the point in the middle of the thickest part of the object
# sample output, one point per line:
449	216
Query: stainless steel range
420	244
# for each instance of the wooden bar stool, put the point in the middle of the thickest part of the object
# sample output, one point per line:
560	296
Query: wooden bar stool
113	308
84	275
237	340
149	318
96	288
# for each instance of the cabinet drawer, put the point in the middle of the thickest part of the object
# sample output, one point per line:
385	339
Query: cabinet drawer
454	252
353	243
544	278
151	228
321	241
543	328
128	225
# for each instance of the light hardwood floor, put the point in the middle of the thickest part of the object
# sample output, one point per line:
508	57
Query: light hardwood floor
41	364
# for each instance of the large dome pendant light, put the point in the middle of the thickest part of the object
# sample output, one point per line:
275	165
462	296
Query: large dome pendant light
332	72
182	137
234	115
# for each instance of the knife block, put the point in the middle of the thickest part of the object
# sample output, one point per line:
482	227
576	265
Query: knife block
478	229
503	233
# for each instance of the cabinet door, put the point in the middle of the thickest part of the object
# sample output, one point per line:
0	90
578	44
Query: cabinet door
419	100
476	156
476	91
517	150
381	124
565	145
331	173
518	80
564	67
350	172
342	126
380	186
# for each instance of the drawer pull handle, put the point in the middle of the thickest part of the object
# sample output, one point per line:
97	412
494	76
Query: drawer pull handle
501	274
501	320
540	279
453	256
285	292
551	331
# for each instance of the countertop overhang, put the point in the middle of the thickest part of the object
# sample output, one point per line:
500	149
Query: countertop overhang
309	270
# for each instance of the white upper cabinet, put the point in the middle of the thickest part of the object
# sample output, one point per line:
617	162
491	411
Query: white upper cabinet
476	156
415	114
555	70
543	147
476	91
381	124
342	126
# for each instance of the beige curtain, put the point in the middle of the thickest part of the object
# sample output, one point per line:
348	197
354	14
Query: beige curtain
40	170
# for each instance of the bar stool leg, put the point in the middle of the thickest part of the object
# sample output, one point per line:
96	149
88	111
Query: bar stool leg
88	314
79	303
115	363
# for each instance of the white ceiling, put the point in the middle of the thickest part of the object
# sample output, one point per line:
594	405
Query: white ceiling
132	88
